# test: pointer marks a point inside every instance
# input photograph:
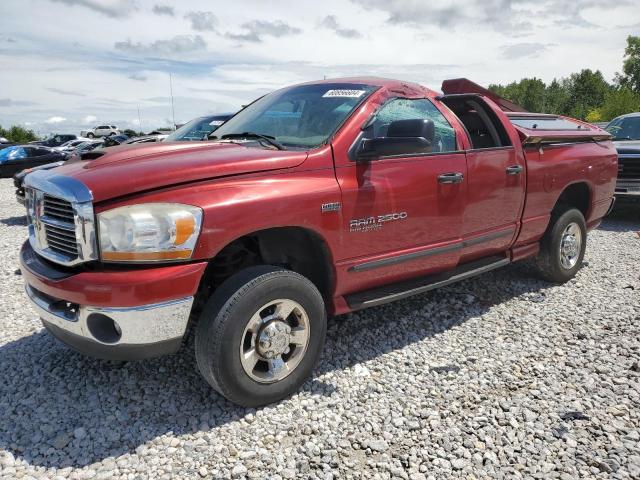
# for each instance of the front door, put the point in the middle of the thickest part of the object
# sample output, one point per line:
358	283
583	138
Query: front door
402	214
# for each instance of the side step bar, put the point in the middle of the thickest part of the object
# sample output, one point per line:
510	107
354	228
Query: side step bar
407	288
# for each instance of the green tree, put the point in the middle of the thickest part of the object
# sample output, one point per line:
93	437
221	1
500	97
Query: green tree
529	93
630	76
556	97
587	90
18	134
618	102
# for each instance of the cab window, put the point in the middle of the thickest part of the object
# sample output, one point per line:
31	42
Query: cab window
408	109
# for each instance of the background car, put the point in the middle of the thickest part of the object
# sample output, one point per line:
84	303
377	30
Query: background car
87	146
626	137
19	157
70	145
55	140
4	143
18	178
76	154
147	139
100	131
113	140
199	128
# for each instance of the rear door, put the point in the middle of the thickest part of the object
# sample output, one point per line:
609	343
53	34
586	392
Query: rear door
496	177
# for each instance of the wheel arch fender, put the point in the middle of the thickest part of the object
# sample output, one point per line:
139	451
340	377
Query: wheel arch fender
298	248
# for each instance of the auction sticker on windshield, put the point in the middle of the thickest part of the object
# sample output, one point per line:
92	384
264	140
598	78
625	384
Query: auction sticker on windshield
344	93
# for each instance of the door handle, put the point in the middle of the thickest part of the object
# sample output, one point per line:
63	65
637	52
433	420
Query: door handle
453	177
514	170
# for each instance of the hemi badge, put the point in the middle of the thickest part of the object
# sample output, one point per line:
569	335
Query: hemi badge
330	207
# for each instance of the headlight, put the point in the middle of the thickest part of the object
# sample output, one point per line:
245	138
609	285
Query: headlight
149	232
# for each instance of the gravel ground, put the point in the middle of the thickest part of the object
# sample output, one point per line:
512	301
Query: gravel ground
503	376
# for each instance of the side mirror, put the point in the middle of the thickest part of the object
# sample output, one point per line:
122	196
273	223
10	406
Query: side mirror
404	137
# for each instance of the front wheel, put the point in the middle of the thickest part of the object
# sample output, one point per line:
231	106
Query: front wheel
260	335
563	246
90	135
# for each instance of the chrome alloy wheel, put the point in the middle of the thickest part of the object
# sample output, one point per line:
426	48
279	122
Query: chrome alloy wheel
274	341
570	246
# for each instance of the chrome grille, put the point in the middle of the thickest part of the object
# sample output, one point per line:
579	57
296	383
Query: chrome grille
61	220
629	167
58	209
62	240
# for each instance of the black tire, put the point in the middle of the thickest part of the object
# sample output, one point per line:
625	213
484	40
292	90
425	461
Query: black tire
112	133
548	262
90	135
221	328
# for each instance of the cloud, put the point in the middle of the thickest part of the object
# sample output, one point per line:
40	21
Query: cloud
505	16
137	76
524	50
65	92
416	12
90	119
110	8
164	10
331	22
55	119
202	21
256	30
7	102
175	45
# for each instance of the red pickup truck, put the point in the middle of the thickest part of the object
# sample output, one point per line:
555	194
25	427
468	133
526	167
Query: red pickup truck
317	199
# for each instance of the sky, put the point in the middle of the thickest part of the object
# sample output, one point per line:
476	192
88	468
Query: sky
66	65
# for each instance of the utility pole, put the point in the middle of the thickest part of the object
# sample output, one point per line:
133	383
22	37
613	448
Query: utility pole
173	112
139	120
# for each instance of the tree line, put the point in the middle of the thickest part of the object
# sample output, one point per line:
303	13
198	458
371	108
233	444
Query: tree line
18	134
585	95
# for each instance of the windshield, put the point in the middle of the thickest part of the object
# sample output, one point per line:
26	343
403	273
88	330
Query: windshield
196	130
627	128
302	116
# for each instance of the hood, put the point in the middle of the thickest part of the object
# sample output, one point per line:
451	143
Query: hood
627	146
134	168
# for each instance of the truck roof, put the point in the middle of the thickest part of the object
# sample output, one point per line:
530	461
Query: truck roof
388	83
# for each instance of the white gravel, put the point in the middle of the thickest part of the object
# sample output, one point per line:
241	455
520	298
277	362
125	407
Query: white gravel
502	376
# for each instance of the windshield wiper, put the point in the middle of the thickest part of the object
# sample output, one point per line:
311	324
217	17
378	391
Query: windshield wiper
267	138
624	138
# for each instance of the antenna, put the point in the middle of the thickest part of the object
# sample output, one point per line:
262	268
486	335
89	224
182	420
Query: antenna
173	112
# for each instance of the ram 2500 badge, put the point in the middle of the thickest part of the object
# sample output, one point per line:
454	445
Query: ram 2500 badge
317	199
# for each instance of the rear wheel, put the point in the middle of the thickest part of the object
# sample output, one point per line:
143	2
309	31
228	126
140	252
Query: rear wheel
260	335
90	135
563	246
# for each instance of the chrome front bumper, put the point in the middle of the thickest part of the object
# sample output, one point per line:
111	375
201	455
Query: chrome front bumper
100	331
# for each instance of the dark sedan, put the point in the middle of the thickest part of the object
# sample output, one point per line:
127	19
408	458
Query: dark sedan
19	157
54	140
18	178
626	137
